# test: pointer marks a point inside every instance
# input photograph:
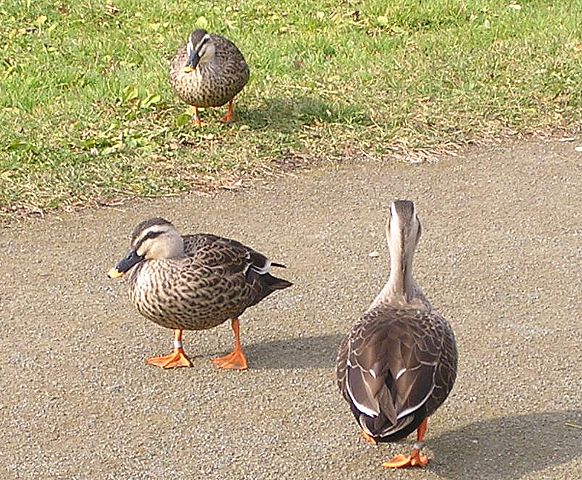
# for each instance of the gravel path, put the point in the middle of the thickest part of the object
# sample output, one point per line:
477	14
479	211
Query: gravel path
500	256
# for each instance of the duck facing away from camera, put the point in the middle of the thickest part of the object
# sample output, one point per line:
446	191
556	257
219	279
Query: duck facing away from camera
398	363
208	71
194	282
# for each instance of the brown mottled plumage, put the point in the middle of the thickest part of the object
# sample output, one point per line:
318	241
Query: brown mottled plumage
399	361
208	71
193	282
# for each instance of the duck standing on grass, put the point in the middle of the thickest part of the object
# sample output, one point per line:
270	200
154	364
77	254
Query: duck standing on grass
399	362
194	282
208	71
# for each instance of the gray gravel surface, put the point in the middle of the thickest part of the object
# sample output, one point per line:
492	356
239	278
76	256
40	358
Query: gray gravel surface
500	256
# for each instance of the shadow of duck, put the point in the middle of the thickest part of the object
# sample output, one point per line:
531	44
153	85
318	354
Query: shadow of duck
299	352
286	114
509	447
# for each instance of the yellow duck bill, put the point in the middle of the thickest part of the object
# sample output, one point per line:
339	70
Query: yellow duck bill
114	273
192	63
124	265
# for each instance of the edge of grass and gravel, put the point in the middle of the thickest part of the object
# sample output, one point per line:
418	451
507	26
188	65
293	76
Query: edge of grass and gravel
87	114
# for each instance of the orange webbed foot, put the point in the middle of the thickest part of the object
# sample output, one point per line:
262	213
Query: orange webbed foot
368	438
176	359
235	361
415	459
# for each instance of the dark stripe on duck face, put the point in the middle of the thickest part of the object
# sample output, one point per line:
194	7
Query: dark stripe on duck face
147	224
201	43
148	236
197	39
197	35
196	43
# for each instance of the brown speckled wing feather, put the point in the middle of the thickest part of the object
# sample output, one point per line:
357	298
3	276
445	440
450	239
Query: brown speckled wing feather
236	259
394	366
235	68
211	250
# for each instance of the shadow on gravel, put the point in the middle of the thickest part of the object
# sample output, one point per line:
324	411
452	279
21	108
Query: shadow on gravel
305	352
509	447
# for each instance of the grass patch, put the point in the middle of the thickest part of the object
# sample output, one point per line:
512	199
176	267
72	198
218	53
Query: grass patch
86	110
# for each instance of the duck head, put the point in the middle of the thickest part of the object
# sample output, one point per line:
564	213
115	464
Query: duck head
403	228
200	49
153	239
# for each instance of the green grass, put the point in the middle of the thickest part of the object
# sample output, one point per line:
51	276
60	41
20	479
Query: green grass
86	111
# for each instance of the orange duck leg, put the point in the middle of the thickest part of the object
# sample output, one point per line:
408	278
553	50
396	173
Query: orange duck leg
176	359
235	360
229	117
415	459
196	116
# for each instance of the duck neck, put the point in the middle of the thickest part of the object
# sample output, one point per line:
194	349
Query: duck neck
400	283
401	289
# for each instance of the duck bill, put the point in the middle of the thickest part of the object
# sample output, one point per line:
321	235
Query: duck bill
131	259
192	62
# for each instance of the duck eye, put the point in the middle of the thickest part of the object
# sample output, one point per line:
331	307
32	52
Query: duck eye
151	235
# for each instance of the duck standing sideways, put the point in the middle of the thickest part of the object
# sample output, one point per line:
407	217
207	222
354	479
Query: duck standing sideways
208	71
398	363
194	282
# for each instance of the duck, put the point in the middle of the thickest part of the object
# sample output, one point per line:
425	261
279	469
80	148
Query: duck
194	282
208	71
398	363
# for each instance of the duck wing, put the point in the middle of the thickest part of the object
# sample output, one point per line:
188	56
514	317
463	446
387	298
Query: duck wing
389	369
212	250
235	258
